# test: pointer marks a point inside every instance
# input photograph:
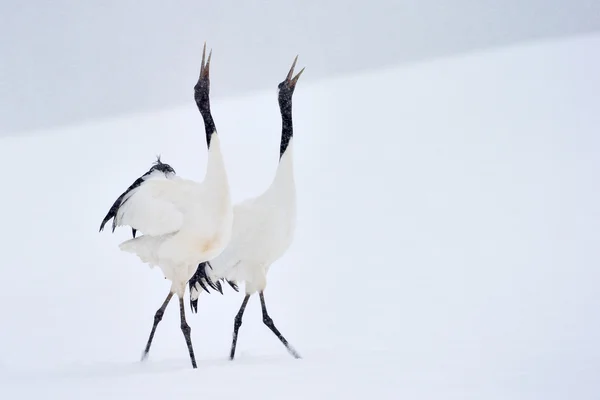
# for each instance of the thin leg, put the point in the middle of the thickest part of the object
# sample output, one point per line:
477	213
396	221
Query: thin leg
269	322
237	324
185	328
157	318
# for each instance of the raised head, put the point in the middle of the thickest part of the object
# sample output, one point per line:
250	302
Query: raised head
286	88
202	96
202	87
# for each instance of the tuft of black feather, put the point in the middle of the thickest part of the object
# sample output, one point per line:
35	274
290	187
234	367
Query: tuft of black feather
158	165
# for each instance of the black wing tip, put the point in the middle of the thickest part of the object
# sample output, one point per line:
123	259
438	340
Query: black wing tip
107	218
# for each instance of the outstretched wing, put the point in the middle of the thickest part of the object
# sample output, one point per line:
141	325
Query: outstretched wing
158	170
154	205
112	212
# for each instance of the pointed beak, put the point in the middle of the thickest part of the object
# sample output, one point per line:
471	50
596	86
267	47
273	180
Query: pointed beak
205	68
292	81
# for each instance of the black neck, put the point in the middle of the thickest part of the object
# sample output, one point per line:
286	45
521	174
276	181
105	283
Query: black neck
209	123
287	129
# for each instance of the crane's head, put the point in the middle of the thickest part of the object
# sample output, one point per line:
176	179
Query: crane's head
286	88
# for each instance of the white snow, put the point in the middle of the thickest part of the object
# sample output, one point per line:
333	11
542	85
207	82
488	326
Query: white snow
446	248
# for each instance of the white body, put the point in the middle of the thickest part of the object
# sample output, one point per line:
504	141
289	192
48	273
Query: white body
183	222
263	229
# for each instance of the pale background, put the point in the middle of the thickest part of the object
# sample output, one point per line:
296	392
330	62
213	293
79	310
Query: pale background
447	161
66	61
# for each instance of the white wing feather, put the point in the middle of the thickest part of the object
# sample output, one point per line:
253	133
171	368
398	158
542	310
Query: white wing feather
157	207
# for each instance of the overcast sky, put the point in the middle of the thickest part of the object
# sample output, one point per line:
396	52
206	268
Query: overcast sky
65	62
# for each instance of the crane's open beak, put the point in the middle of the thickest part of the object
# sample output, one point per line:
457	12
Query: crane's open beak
292	81
205	68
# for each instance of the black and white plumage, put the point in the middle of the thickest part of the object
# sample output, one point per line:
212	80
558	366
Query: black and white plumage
182	222
263	228
202	279
157	168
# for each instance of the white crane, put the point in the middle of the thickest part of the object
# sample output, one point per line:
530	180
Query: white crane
183	222
263	229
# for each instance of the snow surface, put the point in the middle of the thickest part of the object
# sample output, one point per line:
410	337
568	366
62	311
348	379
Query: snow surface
447	243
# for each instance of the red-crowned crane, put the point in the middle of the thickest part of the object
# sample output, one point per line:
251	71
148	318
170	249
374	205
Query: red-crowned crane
263	229
183	222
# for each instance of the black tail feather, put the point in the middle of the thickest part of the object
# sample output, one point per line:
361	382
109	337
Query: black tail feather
215	286
202	285
200	277
201	281
194	305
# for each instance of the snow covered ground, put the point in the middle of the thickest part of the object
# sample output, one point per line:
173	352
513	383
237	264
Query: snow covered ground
447	243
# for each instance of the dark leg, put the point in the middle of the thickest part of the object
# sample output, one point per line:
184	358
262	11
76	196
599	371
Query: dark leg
237	324
269	322
157	318
185	328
